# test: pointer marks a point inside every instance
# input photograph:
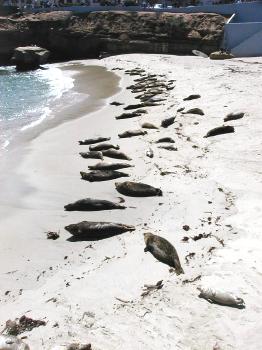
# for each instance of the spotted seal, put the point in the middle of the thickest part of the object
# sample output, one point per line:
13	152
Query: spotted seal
137	189
102	175
131	133
92	155
163	251
109	166
90	204
94	140
103	147
112	153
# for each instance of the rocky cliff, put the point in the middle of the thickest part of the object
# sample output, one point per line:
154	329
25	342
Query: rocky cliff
70	36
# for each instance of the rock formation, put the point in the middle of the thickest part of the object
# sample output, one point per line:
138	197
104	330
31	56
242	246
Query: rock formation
70	36
29	57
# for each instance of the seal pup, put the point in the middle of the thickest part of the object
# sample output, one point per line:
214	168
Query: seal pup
102	175
147	125
97	230
92	155
225	129
131	133
220	297
137	189
163	251
112	153
90	204
167	122
103	147
109	166
94	140
10	342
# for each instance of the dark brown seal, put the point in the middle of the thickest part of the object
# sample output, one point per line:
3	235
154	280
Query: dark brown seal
90	204
137	189
194	111
167	122
191	97
109	166
165	139
131	133
94	140
90	230
234	116
225	129
103	147
102	175
112	153
163	251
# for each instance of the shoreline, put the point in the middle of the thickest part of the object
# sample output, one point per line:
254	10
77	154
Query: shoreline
89	281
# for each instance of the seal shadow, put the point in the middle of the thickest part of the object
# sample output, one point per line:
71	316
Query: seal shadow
92	237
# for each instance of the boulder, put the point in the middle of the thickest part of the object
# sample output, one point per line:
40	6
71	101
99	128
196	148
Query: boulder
220	55
29	57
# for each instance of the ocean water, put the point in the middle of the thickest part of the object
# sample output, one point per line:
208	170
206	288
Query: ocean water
25	98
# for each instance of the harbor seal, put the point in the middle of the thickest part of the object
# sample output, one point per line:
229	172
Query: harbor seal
102	175
137	189
191	97
197	111
92	155
89	204
103	147
94	140
112	153
10	342
109	166
131	133
165	139
147	125
234	116
167	122
225	129
90	230
220	297
163	251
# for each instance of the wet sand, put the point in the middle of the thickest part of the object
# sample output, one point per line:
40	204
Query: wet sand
212	185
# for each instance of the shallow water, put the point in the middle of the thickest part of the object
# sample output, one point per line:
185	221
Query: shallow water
25	98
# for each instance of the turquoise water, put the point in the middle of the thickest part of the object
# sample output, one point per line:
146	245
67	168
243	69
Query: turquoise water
25	98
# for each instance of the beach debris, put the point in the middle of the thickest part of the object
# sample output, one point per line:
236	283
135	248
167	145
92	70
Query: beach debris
148	288
186	227
52	235
169	148
150	153
89	230
90	204
192	280
185	239
103	147
234	116
189	256
115	103
191	97
165	139
9	342
112	153
131	133
200	236
102	175
109	166
137	189
92	155
199	53
23	324
148	125
94	140
73	346
163	251
194	111
225	129
221	297
221	55
165	123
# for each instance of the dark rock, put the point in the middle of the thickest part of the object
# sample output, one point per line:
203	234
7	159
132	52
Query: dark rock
29	57
52	235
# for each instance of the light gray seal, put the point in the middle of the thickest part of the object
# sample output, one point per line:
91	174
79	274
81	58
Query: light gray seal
163	251
137	189
90	204
94	140
102	175
92	155
90	230
103	147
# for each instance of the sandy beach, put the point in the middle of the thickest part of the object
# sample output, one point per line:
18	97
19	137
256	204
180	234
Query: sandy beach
90	292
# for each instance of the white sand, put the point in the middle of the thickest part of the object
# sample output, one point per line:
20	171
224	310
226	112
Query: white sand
87	283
